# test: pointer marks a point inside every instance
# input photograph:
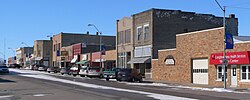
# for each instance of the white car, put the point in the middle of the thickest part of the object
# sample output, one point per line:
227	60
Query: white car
83	71
94	72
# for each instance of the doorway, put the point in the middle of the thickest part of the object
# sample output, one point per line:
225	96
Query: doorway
233	76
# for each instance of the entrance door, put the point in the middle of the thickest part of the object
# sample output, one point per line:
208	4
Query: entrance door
233	75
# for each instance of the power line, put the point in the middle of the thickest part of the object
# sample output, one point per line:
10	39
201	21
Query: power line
239	4
239	7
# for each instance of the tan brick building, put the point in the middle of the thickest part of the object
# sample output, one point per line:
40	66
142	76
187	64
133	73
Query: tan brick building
191	60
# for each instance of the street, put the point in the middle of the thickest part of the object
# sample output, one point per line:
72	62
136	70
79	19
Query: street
33	85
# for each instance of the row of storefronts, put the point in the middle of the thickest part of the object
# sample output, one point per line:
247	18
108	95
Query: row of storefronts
198	58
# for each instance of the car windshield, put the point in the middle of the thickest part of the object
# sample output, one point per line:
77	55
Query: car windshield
3	66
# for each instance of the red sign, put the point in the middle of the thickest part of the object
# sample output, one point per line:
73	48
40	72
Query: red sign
233	58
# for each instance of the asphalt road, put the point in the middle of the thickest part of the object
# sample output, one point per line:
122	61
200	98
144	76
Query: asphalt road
17	86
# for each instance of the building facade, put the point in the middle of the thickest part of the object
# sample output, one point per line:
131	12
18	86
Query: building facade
43	52
156	29
89	43
23	56
197	59
124	44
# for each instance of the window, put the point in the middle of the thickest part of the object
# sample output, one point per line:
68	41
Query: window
245	72
146	31
128	36
220	71
139	32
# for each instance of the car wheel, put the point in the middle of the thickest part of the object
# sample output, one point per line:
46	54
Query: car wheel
118	80
107	79
74	75
82	75
62	73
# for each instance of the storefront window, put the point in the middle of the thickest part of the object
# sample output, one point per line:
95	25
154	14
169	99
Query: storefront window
220	72
245	72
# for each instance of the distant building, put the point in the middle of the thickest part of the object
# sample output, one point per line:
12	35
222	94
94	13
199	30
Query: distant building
23	56
43	52
85	43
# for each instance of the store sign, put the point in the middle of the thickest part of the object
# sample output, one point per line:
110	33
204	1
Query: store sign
64	53
169	60
232	58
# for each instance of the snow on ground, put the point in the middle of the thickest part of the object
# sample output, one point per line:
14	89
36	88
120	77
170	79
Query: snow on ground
33	74
187	87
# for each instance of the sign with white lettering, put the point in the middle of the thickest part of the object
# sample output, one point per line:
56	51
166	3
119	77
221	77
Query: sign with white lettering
169	60
232	58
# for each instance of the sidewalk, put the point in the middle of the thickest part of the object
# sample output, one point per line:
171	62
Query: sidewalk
200	86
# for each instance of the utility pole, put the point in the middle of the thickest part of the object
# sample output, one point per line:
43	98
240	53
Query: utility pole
224	62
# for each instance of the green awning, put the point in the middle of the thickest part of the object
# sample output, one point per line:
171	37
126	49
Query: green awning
82	62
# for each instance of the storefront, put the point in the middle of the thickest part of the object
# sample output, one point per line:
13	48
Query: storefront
197	59
238	69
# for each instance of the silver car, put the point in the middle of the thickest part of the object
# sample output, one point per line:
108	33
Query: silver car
94	72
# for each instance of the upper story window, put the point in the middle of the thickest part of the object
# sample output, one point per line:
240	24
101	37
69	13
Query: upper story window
139	32
127	36
146	31
245	72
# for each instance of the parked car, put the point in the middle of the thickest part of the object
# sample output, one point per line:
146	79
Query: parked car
41	67
127	74
4	69
110	73
53	69
83	71
15	66
74	71
94	72
65	70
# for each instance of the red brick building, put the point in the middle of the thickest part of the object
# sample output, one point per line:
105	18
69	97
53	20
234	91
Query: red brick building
195	60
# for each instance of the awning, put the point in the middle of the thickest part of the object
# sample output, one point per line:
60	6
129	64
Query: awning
140	60
82	62
74	59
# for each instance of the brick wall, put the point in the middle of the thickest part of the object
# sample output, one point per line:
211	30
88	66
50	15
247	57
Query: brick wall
195	45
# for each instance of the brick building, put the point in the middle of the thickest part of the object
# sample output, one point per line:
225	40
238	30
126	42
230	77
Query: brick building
156	29
124	44
43	52
197	59
91	43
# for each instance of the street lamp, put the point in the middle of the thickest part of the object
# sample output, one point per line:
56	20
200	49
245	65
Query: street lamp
28	51
224	25
100	43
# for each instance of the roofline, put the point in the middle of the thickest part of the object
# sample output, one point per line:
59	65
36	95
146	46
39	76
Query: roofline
181	34
168	49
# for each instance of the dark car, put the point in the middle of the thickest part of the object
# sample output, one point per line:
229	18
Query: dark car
65	70
15	66
53	69
4	69
130	75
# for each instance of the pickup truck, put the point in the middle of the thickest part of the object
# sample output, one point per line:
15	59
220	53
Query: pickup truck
110	73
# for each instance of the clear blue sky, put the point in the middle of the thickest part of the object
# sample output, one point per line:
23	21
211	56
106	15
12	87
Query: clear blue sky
29	20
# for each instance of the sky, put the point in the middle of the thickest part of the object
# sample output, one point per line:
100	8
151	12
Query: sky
30	20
